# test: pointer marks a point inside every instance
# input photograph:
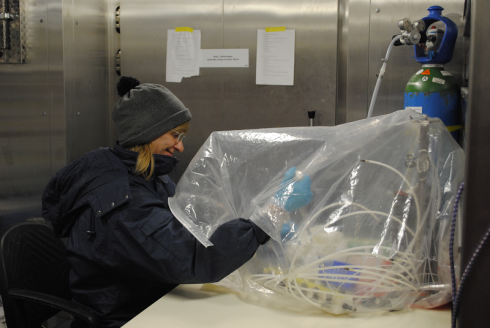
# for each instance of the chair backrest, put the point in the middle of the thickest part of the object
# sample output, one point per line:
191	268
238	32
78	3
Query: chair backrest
32	258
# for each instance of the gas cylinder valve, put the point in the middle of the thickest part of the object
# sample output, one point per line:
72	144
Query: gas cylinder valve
411	33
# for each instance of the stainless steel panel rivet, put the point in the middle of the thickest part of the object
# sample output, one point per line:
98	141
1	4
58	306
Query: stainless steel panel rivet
112	204
78	113
44	113
378	10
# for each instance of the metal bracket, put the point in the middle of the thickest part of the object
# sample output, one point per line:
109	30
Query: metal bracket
5	16
12	32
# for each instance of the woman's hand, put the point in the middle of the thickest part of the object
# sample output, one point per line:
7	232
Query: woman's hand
294	195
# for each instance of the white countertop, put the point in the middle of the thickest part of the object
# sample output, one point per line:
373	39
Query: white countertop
195	306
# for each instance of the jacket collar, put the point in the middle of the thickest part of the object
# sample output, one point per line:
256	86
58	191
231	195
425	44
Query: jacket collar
163	164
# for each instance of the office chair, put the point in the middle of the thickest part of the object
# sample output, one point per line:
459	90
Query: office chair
34	278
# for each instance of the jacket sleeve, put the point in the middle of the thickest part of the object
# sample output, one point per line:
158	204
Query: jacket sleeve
150	242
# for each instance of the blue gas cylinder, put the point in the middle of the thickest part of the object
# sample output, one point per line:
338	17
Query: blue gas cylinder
433	90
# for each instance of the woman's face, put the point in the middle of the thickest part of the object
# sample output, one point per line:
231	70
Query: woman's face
167	144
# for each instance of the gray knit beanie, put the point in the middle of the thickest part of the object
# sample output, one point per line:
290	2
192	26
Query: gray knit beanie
145	112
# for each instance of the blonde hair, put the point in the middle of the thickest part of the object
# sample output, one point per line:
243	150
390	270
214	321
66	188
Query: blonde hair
183	127
145	155
145	160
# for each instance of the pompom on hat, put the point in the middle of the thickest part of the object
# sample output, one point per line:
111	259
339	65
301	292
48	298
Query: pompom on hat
145	112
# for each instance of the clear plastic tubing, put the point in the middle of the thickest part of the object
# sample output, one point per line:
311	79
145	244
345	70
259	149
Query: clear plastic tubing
380	76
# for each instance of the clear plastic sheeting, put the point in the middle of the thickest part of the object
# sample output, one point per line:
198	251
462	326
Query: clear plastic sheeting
372	235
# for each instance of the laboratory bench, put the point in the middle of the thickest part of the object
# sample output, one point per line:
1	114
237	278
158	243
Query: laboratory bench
195	306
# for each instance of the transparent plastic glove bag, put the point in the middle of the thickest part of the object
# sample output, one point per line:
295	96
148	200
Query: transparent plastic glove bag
359	213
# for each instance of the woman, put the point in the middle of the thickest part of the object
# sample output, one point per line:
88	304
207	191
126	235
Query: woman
125	247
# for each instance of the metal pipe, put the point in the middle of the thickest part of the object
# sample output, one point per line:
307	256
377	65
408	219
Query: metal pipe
381	74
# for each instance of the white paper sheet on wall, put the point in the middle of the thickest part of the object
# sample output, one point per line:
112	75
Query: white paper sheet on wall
275	57
183	49
224	58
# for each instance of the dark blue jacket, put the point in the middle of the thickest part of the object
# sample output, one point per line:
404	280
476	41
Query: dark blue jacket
126	248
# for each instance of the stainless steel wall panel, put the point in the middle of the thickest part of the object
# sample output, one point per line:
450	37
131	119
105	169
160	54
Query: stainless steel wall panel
86	76
357	44
144	26
401	65
342	51
24	122
251	106
57	117
228	98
